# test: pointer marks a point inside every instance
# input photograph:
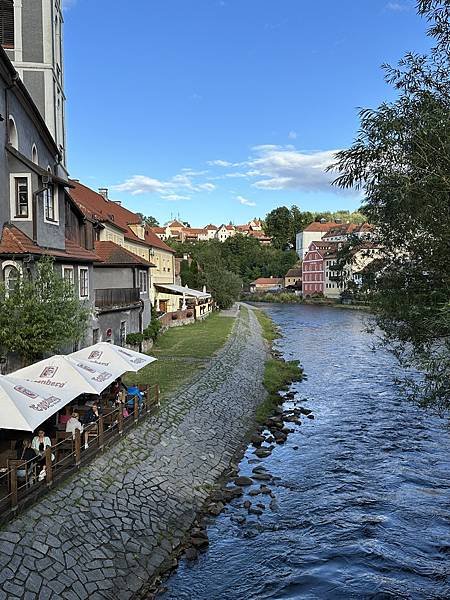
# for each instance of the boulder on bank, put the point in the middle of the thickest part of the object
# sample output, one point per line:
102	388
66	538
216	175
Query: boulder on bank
257	440
191	553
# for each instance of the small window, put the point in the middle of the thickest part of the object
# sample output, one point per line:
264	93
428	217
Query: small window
68	274
49	203
83	275
11	276
34	155
123	333
21	193
143	283
13	138
95	336
7	23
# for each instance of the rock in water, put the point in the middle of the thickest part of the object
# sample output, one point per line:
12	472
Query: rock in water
262	476
243	481
263	452
191	554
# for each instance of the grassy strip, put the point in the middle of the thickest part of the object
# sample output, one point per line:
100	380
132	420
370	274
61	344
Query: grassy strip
182	352
278	373
270	330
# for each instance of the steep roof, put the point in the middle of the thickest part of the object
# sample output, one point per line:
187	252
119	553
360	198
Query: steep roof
294	273
95	206
175	224
114	255
211	227
14	242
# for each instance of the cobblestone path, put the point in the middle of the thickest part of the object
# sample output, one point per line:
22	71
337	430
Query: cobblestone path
104	533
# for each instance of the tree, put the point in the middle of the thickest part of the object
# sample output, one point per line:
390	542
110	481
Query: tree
279	226
401	159
149	221
224	286
40	315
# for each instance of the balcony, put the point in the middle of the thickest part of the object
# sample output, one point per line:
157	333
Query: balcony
116	297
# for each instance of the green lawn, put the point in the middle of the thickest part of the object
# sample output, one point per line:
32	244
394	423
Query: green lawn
181	352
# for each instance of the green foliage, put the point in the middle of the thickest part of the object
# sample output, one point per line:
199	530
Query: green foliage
401	159
149	221
278	375
270	330
277	298
41	315
282	224
134	339
224	286
151	332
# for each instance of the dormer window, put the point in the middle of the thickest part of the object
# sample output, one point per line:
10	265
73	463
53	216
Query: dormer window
7	23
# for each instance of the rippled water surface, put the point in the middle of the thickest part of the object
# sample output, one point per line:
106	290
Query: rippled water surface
362	507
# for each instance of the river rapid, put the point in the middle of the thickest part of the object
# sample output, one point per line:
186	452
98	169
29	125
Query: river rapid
361	508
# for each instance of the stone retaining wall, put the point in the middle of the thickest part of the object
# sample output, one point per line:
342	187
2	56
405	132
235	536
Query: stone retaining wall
106	532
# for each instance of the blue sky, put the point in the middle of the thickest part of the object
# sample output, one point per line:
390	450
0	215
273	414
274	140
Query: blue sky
220	110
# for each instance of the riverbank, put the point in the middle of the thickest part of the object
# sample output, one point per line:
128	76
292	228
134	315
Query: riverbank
116	524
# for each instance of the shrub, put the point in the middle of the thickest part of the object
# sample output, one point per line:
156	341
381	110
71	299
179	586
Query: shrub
189	315
153	329
174	317
134	339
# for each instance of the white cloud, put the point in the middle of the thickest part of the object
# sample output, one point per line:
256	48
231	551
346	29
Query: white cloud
220	163
245	201
284	167
179	187
292	135
398	6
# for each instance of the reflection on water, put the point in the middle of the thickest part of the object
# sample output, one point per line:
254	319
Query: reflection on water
361	508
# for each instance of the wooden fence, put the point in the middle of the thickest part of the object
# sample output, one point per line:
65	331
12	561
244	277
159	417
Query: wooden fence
26	481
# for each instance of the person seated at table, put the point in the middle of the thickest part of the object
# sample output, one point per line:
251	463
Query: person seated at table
117	386
92	415
28	455
39	444
90	419
134	392
73	424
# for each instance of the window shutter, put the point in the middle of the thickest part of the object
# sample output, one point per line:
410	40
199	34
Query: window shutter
7	23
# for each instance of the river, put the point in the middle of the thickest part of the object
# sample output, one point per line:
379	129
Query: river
361	509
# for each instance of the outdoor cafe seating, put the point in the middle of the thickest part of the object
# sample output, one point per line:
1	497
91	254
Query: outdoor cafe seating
43	397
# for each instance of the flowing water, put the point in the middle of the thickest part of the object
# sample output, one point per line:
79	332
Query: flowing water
362	507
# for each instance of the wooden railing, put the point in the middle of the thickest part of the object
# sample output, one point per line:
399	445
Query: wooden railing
116	297
67	455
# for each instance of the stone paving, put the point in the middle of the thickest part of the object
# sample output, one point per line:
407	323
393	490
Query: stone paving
104	533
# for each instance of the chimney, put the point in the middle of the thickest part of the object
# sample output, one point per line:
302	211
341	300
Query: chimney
119	202
103	192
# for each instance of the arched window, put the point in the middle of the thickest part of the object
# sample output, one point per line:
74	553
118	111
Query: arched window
11	276
34	155
7	23
13	138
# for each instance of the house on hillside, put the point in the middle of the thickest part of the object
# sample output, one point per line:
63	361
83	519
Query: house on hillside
312	233
225	231
267	284
293	279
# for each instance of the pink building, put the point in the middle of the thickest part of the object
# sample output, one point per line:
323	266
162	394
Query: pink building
313	272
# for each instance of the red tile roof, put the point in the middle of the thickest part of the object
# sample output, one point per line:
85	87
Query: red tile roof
211	227
95	206
14	242
112	254
176	224
316	226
